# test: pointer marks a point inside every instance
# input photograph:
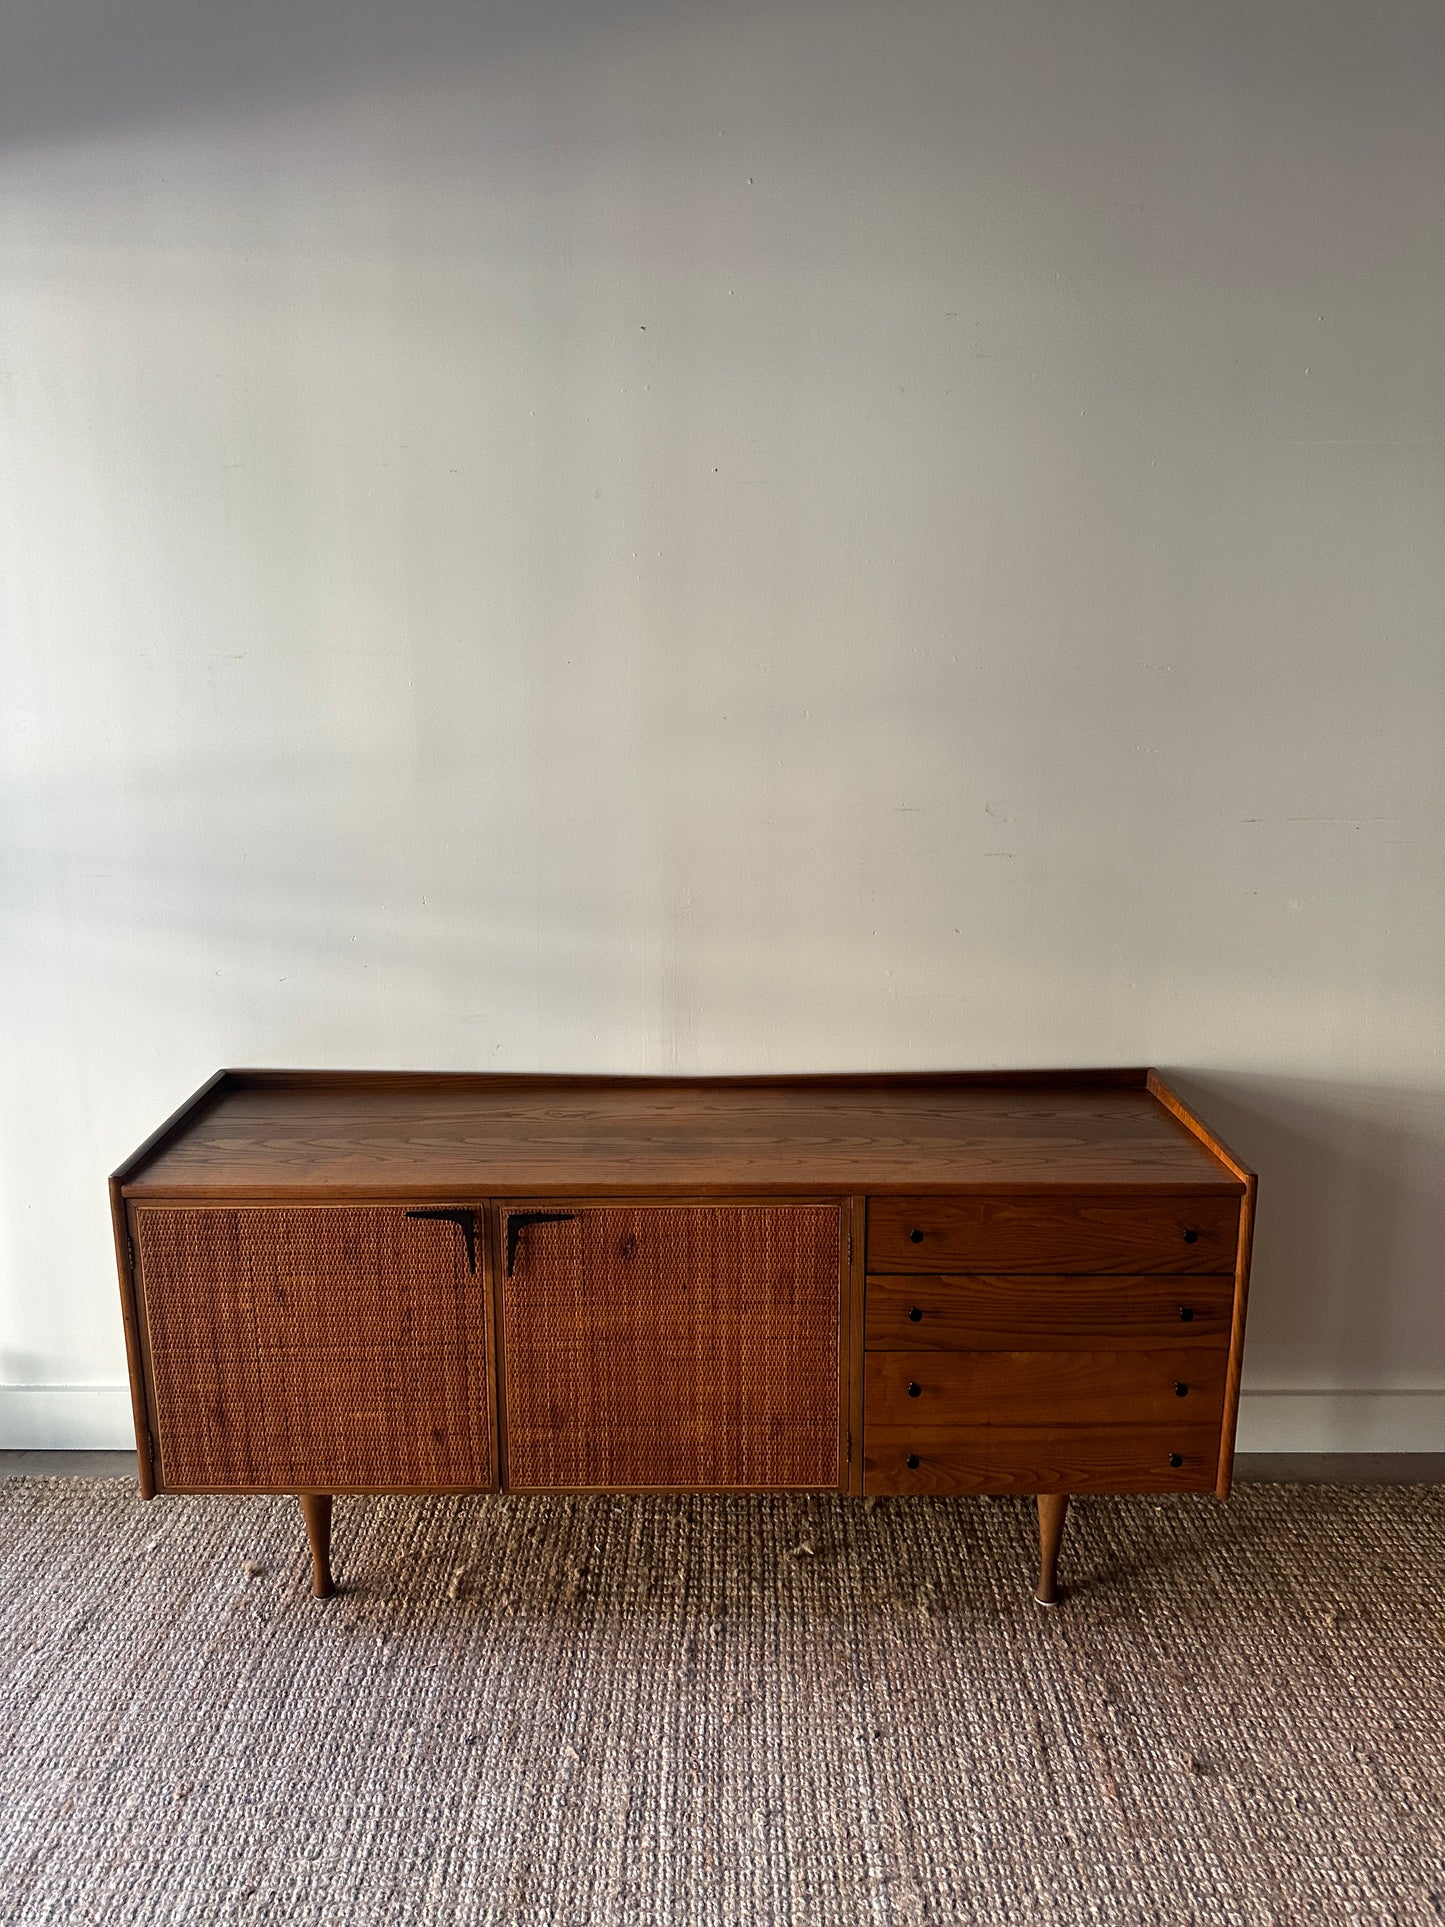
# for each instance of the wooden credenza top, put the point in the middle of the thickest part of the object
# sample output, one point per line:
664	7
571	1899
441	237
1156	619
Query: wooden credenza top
278	1134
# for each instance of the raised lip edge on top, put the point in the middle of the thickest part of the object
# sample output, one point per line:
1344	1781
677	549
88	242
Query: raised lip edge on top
219	1083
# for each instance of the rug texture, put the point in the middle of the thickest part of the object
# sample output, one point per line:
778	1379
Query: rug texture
579	1712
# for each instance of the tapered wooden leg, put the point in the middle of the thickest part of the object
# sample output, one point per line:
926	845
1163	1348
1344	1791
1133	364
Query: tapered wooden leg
316	1510
1053	1509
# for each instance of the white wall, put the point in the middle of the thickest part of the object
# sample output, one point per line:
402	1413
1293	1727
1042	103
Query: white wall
713	536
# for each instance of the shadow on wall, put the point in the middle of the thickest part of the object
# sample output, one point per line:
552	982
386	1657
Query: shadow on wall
70	69
1350	1228
443	961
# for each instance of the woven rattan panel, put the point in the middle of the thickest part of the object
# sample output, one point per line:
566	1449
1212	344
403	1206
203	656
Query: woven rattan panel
675	1346
313	1347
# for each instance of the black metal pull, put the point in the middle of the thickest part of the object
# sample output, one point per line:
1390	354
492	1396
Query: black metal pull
915	1237
913	1390
914	1313
1175	1460
913	1461
1186	1314
465	1222
1181	1390
517	1222
1191	1237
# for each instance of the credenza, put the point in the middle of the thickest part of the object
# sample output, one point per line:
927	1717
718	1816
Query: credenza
1029	1282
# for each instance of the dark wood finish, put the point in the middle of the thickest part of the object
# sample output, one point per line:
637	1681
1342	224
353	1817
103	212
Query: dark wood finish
656	1347
1175	1105
134	1341
1059	1388
304	1346
1236	1340
853	1358
1107	1232
1053	1510
1044	1311
1048	1280
384	1136
185	1115
490	1280
316	1511
1027	1459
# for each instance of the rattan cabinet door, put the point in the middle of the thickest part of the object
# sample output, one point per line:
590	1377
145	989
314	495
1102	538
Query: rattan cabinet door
666	1347
325	1348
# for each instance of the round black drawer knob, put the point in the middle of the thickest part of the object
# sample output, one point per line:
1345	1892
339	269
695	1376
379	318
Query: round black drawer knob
913	1390
1181	1390
913	1461
1186	1314
915	1237
1175	1460
914	1313
1191	1237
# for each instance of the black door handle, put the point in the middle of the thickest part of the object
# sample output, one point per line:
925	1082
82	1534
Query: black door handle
465	1222
517	1222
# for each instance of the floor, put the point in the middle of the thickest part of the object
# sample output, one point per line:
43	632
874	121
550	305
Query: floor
609	1712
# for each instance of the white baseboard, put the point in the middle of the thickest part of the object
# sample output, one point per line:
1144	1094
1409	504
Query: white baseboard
96	1418
66	1418
1341	1422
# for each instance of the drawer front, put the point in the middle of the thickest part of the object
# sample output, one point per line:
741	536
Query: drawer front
1105	1233
1044	1311
913	1393
1081	1458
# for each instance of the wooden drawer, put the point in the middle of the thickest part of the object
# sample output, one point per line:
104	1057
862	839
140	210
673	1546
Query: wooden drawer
1045	1311
912	1393
1103	1233
1081	1458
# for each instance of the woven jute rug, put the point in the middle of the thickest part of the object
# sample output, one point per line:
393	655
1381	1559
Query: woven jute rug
595	1711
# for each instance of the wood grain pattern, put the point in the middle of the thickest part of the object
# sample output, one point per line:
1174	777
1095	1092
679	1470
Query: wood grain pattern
316	1513
1081	1458
377	1137
853	1350
1042	1311
135	1358
689	1347
1052	1388
1236	1338
1048	1280
185	1116
1108	1232
1053	1510
1161	1092
312	1348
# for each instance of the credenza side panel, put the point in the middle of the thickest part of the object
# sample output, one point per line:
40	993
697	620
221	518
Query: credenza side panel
324	1348
673	1347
